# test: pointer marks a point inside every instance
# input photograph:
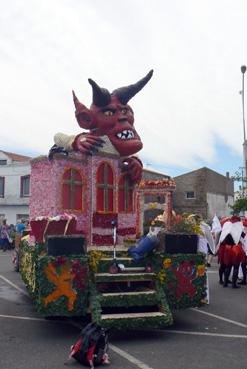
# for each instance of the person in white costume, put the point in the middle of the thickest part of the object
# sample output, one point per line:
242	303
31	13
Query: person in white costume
231	253
215	231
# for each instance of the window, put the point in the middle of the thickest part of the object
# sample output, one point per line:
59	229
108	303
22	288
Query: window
72	191
105	188
25	186
3	162
22	216
125	195
190	195
2	185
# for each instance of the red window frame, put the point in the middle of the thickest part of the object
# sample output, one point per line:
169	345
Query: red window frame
125	195
72	190
105	188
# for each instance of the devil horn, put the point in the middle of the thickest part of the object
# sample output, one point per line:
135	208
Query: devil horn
101	96
76	101
124	94
78	105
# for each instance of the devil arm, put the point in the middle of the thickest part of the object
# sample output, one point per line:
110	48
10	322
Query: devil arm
133	167
86	143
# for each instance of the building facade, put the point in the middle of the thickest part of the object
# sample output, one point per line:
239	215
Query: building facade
14	186
204	192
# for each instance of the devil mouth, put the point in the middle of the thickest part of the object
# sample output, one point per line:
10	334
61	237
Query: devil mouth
125	135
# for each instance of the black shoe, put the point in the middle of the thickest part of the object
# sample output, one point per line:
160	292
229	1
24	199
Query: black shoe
242	283
235	286
221	282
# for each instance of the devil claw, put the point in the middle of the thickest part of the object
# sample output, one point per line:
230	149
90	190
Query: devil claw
100	144
94	149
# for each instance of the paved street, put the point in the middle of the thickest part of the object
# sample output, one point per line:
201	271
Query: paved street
214	337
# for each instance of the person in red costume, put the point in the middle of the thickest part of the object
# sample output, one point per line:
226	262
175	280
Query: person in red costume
230	253
110	122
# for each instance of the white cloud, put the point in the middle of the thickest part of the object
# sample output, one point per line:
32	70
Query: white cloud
192	102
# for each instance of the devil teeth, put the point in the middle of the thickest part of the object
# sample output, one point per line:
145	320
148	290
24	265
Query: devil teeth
125	135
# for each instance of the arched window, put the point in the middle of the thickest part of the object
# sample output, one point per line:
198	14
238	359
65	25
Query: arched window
72	191
105	188
125	195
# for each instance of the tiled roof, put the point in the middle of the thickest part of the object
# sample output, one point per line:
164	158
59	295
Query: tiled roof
16	157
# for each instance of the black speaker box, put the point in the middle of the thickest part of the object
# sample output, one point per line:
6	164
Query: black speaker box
181	244
66	245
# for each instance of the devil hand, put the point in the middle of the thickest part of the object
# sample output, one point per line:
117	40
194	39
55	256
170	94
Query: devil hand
88	143
133	167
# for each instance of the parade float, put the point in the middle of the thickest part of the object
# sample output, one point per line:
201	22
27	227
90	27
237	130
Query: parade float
86	211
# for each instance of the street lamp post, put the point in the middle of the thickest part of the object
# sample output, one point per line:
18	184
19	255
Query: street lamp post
243	70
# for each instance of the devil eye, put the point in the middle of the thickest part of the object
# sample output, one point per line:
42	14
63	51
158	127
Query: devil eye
124	111
108	112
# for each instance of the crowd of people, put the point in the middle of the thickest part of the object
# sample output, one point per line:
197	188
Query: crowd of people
232	251
229	245
10	234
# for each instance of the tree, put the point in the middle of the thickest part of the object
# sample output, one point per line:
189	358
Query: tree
241	199
239	205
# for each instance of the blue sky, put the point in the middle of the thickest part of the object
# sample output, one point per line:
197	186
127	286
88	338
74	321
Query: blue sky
226	161
189	115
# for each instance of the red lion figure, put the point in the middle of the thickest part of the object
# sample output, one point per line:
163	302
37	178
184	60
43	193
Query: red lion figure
185	275
109	121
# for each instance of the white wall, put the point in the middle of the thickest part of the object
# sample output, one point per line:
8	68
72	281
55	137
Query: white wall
12	203
219	205
11	213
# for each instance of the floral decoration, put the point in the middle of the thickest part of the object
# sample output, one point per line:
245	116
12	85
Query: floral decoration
102	220
185	224
63	281
200	270
100	240
161	183
167	263
94	259
126	231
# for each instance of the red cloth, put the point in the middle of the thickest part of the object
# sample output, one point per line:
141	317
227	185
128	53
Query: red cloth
40	228
231	255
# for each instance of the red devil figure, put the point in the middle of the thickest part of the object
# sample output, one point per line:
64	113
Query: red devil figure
110	122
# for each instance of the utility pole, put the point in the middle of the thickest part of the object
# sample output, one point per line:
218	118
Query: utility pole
243	70
242	180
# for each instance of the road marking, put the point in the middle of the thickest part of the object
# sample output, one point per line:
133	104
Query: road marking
220	318
120	352
43	320
129	357
124	354
14	285
23	318
212	272
207	334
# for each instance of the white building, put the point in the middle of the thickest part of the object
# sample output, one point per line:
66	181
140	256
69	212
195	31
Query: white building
14	186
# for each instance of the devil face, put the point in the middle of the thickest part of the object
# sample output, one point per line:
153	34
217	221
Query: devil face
117	122
110	115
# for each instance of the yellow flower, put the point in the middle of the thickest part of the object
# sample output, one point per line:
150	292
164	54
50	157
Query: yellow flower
167	263
201	270
161	276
